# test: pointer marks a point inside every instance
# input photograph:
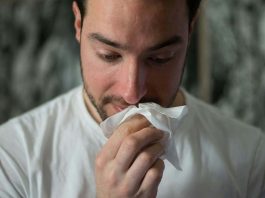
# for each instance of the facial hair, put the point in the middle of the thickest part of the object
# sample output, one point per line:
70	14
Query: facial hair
99	106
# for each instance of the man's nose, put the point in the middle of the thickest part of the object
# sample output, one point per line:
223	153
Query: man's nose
134	82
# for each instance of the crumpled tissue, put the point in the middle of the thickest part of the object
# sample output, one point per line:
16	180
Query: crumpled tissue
165	119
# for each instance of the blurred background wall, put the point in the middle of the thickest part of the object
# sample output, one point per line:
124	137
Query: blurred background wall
39	57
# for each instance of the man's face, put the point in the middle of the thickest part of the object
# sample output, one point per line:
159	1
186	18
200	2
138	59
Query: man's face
132	51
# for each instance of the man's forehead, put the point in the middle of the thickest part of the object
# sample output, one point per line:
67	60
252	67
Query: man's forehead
140	7
136	26
135	2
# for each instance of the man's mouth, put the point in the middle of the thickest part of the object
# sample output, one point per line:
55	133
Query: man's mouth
119	107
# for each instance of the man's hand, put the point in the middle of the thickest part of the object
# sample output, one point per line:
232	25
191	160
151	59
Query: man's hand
128	165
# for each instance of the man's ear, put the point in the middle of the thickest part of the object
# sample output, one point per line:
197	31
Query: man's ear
78	21
193	22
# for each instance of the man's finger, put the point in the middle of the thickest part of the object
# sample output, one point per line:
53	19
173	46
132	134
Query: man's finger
132	125
135	143
143	162
152	179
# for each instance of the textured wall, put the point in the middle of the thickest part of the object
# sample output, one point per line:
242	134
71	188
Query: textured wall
237	29
39	56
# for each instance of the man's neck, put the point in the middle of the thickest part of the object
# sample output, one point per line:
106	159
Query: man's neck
90	108
179	100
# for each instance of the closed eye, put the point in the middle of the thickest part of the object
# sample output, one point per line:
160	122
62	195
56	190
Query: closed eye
109	57
158	60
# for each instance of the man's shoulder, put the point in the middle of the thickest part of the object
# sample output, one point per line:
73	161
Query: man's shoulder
44	114
210	113
33	142
223	133
217	122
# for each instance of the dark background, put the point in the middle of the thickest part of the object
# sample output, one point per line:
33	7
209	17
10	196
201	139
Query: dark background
39	57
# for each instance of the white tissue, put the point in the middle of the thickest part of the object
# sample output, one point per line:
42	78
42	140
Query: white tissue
165	119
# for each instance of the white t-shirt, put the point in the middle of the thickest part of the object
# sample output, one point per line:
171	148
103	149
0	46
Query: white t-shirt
50	153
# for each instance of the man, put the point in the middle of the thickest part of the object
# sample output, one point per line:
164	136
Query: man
132	52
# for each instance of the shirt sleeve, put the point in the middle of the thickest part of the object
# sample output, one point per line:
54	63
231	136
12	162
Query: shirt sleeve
256	187
12	170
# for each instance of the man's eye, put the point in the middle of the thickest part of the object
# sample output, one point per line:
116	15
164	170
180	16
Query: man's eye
109	57
158	60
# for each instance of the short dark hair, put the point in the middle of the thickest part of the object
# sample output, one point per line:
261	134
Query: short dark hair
193	6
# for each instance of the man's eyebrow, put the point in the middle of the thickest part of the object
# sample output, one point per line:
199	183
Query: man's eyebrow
99	37
171	41
102	39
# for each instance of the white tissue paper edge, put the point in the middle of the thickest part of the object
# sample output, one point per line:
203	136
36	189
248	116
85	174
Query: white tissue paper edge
165	119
